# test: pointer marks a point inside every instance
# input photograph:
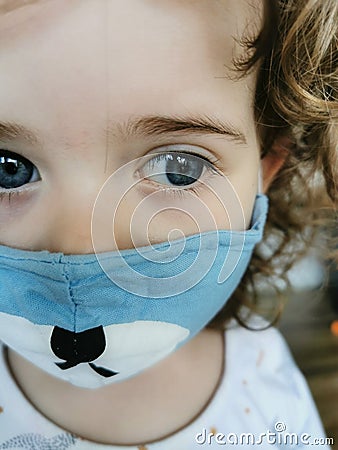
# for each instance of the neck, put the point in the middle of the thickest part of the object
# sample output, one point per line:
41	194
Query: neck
147	407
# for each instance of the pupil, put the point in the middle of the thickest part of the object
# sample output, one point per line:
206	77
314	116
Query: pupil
11	168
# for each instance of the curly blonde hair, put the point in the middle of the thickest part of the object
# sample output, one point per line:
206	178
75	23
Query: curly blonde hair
296	100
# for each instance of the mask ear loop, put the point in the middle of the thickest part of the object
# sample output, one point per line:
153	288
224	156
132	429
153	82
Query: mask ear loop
260	180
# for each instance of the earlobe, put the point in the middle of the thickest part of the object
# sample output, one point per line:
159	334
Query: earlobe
274	159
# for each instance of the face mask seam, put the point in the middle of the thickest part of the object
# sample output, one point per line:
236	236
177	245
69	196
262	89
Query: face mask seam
70	294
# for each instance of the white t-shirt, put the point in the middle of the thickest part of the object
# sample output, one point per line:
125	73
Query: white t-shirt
261	401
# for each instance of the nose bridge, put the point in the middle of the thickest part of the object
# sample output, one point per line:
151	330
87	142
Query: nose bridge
69	222
73	232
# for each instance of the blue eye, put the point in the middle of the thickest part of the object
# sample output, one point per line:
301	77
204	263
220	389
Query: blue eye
175	168
16	171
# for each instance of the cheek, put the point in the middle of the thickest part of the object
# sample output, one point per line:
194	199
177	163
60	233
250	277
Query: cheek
48	219
246	188
19	219
142	220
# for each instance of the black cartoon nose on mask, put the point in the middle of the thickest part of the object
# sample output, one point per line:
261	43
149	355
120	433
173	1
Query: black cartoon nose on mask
77	348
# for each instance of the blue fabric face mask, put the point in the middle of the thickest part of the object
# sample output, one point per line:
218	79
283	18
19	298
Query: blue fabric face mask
96	319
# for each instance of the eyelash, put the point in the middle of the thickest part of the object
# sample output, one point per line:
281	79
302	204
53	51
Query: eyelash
8	195
181	193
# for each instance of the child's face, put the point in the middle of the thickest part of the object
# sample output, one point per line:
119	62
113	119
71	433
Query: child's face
84	78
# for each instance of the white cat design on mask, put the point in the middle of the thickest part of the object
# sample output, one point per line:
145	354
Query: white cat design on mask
129	348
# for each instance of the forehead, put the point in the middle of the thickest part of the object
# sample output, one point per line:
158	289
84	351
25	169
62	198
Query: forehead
222	22
7	6
124	53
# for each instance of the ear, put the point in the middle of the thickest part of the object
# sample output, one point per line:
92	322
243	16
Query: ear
274	160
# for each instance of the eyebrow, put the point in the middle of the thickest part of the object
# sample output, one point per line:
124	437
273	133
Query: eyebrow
142	126
198	125
10	131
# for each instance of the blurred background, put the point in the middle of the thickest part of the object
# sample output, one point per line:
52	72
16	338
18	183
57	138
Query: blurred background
310	326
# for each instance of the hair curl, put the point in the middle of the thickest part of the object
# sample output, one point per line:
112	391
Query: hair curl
296	99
